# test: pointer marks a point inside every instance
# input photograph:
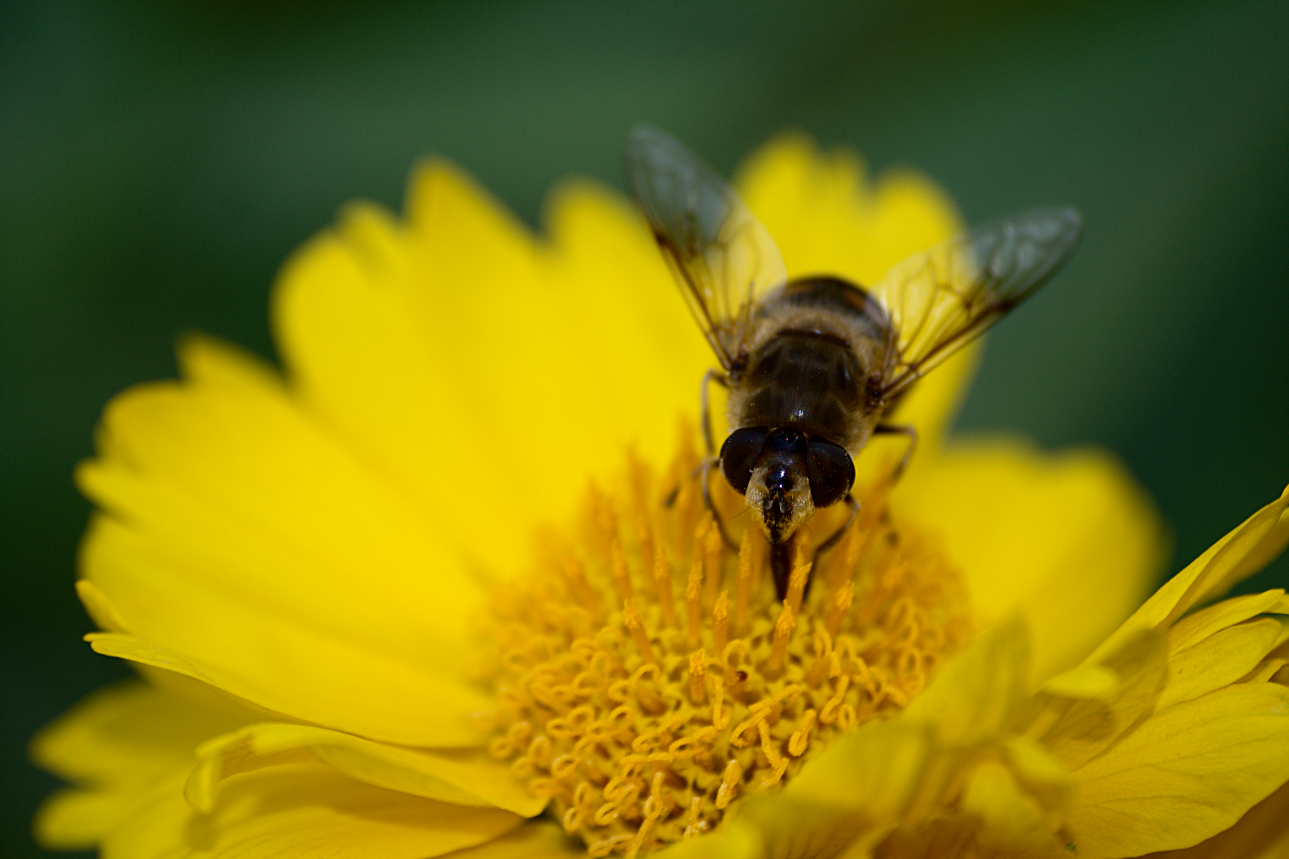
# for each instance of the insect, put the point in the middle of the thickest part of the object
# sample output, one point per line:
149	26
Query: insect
813	366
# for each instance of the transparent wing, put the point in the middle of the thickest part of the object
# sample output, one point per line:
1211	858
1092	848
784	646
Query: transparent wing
941	299
722	257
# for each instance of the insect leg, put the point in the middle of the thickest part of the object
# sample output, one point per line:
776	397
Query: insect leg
840	532
719	378
705	469
904	430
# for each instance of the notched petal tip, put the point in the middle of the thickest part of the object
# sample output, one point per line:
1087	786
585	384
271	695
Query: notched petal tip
75	819
100	608
204	359
444	199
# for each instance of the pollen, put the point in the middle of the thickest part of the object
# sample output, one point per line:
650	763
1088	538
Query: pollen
648	679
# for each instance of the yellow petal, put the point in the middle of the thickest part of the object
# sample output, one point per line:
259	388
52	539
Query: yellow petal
463	778
1263	833
311	585
99	607
302	812
1217	661
1055	536
1085	681
375	335
1076	730
1011	818
1267	669
827	216
276	662
532	840
839	804
380	325
739	840
129	733
975	695
1042	774
874	770
1265	551
887	773
1240	553
119	741
1185	774
75	819
649	355
1195	627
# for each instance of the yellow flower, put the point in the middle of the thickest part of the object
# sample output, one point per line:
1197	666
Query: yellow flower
377	610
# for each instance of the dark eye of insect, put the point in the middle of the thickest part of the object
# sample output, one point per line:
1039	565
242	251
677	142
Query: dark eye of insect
739	455
831	470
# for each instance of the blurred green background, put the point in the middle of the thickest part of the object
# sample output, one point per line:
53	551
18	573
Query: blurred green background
160	162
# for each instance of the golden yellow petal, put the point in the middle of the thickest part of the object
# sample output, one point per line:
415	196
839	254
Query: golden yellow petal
1197	626
1084	681
1240	553
99	607
129	733
378	334
875	771
929	407
304	811
827	216
739	840
1076	730
841	803
626	344
311	585
458	334
975	695
1268	668
464	778
532	840
1041	773
1219	660
1185	774
119	741
1264	552
1055	536
450	727
887	774
75	819
1010	817
933	403
1263	833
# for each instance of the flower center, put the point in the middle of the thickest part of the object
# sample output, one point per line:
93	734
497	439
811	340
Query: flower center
647	677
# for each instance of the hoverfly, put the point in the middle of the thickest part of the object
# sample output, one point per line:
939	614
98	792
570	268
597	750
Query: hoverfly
813	365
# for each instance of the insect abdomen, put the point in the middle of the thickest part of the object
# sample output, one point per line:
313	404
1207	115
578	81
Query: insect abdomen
802	381
817	343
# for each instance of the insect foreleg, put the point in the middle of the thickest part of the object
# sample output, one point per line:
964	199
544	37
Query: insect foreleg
904	430
840	532
719	378
705	469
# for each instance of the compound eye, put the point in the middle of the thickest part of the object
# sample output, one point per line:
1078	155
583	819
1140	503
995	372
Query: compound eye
739	455
831	470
